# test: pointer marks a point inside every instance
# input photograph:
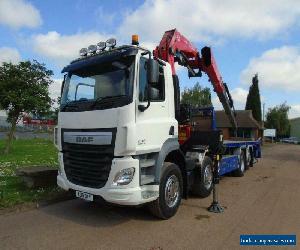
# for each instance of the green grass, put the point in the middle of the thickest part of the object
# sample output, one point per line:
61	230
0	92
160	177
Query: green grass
25	153
14	192
28	153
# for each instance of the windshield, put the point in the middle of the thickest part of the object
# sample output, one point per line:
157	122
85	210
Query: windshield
100	86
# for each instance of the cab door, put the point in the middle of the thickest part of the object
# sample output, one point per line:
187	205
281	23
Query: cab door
154	124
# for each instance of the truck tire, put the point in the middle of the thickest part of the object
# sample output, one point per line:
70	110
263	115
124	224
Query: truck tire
247	158
203	179
242	166
170	192
251	163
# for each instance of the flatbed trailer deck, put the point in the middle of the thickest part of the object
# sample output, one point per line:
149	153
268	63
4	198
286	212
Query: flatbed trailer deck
232	143
230	162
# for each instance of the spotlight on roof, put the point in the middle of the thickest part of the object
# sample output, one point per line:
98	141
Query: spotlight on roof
111	43
83	52
92	49
101	45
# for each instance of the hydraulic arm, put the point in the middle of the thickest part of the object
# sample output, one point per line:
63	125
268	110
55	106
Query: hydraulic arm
174	47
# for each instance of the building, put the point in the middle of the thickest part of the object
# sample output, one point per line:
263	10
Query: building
248	127
3	118
295	127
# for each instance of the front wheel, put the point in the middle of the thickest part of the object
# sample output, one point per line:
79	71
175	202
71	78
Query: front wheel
170	192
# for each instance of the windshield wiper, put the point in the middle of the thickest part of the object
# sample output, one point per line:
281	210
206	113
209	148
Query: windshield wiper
109	97
71	105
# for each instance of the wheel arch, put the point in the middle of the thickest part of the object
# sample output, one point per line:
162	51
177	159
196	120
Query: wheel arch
171	152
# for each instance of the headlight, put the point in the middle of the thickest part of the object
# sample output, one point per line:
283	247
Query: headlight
124	177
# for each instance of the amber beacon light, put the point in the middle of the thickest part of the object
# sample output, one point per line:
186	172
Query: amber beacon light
135	40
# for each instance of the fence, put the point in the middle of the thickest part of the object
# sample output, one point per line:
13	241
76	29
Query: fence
29	128
29	131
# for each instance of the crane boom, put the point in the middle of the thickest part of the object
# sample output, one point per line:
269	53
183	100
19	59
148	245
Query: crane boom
174	47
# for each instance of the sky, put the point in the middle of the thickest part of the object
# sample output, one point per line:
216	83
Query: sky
247	37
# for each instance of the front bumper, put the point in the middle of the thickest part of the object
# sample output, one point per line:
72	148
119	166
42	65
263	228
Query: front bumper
131	194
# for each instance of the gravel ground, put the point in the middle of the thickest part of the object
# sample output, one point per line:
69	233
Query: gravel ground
265	201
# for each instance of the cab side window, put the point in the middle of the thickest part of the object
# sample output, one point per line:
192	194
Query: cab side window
156	91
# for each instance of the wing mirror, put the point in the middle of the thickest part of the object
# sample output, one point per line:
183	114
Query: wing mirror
152	71
152	78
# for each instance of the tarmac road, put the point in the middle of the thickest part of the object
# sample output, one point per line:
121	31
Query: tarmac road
265	201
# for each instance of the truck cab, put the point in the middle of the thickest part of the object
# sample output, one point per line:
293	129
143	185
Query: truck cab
116	127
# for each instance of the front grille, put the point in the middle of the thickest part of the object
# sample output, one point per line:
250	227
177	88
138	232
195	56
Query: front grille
88	165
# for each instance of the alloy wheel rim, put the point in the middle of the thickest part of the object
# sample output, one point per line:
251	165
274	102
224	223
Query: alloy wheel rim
248	157
172	191
242	164
207	177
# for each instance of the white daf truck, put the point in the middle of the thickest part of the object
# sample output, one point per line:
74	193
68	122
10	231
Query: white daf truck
118	128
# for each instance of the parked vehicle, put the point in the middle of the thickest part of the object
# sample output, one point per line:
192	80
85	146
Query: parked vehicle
291	140
122	134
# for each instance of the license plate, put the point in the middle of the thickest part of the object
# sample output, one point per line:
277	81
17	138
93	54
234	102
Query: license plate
84	196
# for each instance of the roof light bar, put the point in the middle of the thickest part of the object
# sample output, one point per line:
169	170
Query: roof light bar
93	49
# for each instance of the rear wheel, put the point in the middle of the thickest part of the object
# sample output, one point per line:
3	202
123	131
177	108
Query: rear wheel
170	192
247	158
203	180
242	165
251	157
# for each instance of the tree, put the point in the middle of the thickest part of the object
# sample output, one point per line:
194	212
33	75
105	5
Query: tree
253	99
23	88
55	112
196	96
277	118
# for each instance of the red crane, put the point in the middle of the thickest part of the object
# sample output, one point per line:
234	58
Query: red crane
174	47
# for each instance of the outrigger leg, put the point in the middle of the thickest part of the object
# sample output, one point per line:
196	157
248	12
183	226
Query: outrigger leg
215	207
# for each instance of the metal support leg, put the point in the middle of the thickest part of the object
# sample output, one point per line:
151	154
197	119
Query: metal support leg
215	207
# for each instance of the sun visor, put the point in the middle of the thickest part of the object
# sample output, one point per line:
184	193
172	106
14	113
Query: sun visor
105	56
